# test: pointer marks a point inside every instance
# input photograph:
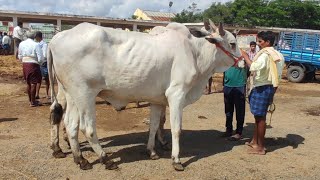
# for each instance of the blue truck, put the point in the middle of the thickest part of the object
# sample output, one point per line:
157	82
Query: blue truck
301	51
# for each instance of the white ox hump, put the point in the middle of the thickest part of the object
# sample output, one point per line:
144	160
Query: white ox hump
180	28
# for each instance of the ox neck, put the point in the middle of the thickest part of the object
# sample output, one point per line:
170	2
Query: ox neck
205	50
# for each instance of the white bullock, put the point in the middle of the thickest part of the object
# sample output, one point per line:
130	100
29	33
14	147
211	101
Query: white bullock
167	67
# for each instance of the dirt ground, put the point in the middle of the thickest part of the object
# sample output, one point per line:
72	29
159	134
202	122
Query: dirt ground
292	140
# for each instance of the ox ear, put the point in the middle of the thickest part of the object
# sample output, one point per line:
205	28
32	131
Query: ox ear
213	40
213	26
198	32
221	30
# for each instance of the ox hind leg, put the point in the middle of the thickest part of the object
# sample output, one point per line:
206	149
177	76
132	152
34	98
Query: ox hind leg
56	113
155	116
87	112
160	133
71	122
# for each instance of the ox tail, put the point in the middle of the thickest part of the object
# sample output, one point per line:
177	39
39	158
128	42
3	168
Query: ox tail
56	110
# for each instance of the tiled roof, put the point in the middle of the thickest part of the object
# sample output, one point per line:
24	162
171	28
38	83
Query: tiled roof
159	16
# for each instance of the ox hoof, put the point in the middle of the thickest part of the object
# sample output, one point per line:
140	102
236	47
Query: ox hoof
154	156
166	146
121	109
110	165
58	154
178	166
85	165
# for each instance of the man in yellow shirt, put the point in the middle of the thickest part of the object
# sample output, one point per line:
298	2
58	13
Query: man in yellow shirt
266	69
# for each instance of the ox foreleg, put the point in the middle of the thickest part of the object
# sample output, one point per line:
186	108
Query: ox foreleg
176	98
155	115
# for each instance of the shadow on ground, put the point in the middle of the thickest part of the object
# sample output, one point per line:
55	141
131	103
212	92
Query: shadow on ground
196	144
7	119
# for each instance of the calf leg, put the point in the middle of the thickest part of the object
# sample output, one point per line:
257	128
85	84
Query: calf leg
154	126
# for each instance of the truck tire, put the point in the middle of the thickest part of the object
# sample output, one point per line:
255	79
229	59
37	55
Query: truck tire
295	74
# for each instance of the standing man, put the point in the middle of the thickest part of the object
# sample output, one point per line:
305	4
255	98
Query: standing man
207	28
253	50
234	98
30	54
6	41
43	65
267	68
17	36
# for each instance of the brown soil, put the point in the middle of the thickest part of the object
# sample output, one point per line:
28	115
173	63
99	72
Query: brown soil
292	140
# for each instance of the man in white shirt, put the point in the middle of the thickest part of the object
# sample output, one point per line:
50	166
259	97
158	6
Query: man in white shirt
6	41
31	55
267	68
43	65
17	36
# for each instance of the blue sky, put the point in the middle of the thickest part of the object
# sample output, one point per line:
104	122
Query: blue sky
108	8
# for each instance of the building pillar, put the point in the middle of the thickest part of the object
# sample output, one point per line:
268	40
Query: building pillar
59	24
135	27
15	21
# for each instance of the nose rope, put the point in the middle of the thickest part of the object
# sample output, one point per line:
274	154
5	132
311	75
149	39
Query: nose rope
235	58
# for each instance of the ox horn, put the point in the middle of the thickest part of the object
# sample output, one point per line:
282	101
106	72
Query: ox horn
213	26
221	31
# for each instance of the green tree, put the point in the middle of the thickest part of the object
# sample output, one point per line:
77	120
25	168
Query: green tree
219	12
190	15
271	13
187	17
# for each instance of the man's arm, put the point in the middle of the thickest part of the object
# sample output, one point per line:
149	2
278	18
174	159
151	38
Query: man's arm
20	32
246	58
20	53
39	53
44	50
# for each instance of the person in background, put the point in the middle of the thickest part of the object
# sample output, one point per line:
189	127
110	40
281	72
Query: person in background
266	68
31	55
234	91
1	36
17	36
6	41
43	65
251	53
253	50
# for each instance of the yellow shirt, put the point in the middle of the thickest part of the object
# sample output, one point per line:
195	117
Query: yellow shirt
261	68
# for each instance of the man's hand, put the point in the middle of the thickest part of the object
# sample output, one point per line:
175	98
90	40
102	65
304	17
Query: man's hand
246	57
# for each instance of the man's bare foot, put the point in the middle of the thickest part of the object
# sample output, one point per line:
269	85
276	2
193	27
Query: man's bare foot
251	145
256	151
206	92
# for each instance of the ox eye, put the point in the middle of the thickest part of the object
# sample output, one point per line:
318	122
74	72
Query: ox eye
233	45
